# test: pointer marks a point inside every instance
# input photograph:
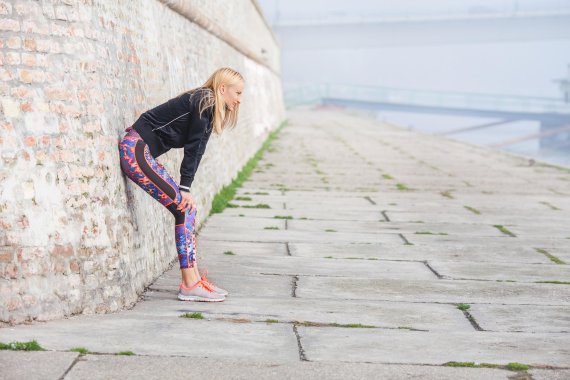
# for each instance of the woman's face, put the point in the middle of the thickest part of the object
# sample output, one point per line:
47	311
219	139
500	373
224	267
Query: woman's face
232	94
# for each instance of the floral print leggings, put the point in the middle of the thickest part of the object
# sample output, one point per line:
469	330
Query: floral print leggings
138	164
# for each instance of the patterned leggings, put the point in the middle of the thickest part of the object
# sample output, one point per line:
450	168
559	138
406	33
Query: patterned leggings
145	171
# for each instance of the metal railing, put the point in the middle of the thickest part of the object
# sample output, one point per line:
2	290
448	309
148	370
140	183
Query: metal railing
316	93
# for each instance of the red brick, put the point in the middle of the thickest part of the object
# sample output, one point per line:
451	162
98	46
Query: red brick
59	267
25	76
22	92
48	46
62	251
29	59
6	257
30	141
74	266
58	29
9	24
6	74
33	27
28	8
13	42
54	93
30	44
13	304
12	58
26	107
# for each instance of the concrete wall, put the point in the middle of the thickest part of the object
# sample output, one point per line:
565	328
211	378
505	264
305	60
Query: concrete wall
76	235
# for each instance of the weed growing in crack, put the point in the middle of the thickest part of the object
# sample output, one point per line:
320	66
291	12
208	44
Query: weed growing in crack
22	346
195	315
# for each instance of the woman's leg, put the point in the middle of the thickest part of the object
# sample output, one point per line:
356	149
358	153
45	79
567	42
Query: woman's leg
146	172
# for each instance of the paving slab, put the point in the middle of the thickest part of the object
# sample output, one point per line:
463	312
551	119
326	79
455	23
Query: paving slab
448	291
246	234
212	248
494	271
444	252
377	346
543	374
148	335
218	221
34	365
97	367
391	315
367	215
525	318
291	266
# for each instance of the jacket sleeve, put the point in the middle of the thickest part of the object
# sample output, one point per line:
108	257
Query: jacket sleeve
193	151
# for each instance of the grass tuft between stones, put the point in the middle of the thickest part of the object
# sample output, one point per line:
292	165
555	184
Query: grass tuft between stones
195	315
229	253
473	210
510	366
504	230
463	306
222	198
22	346
81	350
552	258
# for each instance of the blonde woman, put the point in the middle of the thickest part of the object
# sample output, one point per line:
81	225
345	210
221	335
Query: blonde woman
185	121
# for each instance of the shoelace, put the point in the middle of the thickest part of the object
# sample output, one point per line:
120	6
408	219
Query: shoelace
205	279
206	285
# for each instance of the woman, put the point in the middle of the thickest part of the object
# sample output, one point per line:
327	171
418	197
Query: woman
185	121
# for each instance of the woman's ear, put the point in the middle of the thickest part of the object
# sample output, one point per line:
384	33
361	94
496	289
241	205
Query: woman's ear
222	88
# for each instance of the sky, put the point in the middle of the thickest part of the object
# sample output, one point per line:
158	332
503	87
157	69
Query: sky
479	46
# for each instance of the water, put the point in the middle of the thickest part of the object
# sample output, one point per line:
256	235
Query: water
498	134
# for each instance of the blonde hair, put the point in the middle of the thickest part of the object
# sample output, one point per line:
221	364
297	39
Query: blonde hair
211	97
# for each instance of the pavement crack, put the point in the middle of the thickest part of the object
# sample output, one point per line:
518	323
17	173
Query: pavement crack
78	358
288	249
386	218
302	356
369	199
472	321
433	270
294	286
406	241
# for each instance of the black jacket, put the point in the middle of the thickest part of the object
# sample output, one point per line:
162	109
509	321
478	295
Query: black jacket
176	124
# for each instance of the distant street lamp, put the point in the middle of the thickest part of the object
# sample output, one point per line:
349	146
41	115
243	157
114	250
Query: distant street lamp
565	87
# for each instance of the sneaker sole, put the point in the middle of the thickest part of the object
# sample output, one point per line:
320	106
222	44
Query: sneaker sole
182	297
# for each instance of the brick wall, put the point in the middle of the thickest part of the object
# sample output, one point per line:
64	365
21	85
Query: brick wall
77	236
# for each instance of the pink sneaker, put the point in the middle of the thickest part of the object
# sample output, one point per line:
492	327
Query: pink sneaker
199	292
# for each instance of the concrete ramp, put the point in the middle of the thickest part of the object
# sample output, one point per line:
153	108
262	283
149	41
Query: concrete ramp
356	250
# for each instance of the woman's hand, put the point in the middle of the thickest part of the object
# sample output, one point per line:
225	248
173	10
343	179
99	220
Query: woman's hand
187	202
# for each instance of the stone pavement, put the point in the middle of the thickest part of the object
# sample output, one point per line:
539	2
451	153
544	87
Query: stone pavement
347	255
